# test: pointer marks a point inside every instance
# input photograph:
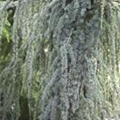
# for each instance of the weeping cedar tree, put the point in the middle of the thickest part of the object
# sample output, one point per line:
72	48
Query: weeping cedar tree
64	60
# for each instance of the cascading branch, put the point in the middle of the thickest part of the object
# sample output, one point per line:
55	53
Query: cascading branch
109	72
65	61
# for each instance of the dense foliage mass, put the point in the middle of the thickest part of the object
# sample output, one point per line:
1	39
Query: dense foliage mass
59	59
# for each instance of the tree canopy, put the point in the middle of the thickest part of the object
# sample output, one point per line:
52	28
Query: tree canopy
52	52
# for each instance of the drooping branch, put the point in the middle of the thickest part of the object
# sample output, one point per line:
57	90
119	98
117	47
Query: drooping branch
8	5
67	72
